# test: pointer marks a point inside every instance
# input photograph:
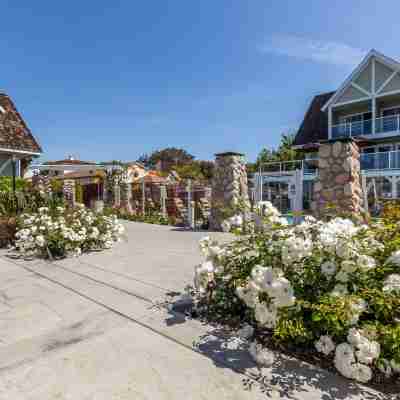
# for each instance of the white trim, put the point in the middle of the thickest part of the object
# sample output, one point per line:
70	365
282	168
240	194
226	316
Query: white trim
360	89
384	84
373	76
387	93
373	54
352	115
11	151
345	103
330	120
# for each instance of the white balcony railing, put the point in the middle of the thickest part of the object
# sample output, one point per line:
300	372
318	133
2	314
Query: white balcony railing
368	161
386	124
380	161
308	166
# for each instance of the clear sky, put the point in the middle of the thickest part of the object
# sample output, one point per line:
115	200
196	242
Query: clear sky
114	79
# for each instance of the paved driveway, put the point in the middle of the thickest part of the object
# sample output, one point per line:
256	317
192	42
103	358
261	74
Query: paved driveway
91	328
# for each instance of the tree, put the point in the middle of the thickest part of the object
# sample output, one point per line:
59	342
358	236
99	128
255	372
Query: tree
284	152
198	170
171	156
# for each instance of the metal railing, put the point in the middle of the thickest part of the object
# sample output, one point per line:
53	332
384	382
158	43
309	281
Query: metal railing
390	123
308	166
379	161
368	161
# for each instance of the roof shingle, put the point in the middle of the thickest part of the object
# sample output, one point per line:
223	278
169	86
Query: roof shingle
14	133
314	127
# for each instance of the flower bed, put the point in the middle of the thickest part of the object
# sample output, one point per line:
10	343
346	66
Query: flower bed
60	232
327	290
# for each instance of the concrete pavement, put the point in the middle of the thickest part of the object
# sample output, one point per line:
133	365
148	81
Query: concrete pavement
90	328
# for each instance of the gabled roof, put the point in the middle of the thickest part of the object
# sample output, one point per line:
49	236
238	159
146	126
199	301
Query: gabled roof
14	133
69	161
314	127
391	63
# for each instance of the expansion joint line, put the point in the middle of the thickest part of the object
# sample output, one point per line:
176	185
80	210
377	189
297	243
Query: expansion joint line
134	320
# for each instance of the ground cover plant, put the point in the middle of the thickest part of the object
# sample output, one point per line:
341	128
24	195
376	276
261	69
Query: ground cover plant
328	289
60	232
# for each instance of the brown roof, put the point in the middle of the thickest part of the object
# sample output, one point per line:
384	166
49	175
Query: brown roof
314	127
83	174
154	177
14	133
69	162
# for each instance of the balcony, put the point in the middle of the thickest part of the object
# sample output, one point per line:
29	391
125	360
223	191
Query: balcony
380	161
385	125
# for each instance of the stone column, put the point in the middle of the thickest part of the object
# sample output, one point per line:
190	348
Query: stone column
116	195
337	189
229	187
126	197
69	191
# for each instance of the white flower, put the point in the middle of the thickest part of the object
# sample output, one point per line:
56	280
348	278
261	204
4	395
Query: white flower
261	355
328	268
354	337
266	316
357	308
225	226
248	294
394	258
204	274
344	359
325	345
366	262
361	373
392	283
339	290
40	241
345	352
368	351
236	221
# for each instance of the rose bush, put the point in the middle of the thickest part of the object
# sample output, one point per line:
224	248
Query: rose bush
332	288
62	232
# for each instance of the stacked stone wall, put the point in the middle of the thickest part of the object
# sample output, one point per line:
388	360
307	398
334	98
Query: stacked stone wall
337	189
229	187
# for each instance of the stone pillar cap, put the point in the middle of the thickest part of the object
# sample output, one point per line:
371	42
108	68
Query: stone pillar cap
228	153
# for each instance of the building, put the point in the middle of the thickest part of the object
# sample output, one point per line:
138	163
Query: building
17	144
365	107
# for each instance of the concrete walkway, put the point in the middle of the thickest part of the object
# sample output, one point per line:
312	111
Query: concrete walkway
92	328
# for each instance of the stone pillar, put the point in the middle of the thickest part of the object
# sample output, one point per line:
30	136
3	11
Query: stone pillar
229	188
69	191
116	195
126	197
337	189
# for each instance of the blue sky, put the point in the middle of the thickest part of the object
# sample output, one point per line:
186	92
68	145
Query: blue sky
114	79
